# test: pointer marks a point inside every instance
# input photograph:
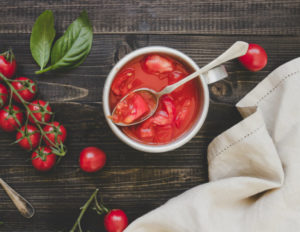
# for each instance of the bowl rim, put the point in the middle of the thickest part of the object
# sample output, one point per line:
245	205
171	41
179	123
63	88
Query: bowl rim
146	147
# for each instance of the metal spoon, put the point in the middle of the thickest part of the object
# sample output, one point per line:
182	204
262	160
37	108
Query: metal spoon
238	49
24	207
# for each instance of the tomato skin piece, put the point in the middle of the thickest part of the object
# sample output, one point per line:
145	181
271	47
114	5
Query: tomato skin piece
55	132
3	95
115	221
32	134
43	165
41	110
146	129
26	91
7	122
163	134
255	59
123	82
167	115
8	68
92	159
157	64
175	76
183	113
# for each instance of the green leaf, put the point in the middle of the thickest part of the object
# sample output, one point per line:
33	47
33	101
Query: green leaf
42	37
73	47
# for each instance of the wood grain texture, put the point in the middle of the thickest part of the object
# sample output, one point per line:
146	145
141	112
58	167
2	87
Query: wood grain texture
134	181
273	17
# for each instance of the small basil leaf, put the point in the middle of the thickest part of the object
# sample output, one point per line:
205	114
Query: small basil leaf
73	47
42	37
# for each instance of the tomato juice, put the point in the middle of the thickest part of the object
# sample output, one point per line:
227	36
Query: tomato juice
176	111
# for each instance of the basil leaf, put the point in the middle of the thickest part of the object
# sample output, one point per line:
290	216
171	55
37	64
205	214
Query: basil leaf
42	37
73	47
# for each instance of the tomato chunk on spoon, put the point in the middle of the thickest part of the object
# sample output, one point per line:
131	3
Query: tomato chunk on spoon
131	109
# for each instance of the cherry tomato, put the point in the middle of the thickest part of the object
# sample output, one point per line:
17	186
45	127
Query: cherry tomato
43	159
55	132
26	89
41	111
3	95
28	137
123	82
11	118
115	221
8	64
157	64
255	59
92	159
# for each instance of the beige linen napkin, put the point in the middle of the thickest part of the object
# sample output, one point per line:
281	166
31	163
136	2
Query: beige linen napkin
254	169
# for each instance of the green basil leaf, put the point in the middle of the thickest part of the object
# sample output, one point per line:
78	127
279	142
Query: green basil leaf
73	47
42	37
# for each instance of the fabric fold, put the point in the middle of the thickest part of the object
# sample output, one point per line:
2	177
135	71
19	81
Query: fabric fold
254	169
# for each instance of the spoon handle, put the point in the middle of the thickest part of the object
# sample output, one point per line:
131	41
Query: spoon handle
238	49
24	207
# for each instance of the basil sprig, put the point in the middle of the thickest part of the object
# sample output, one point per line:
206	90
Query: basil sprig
69	51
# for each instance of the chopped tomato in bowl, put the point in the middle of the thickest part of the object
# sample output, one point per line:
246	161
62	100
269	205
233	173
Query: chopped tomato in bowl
176	112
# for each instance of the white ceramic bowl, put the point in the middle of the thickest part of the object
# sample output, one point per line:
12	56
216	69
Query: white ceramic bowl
189	134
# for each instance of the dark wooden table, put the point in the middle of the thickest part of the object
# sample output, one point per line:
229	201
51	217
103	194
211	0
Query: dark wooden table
134	181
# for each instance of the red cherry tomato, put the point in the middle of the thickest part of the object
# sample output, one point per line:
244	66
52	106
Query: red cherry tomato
3	95
115	221
157	64
123	82
255	59
92	159
28	137
41	111
55	132
26	89
8	64
11	118
43	159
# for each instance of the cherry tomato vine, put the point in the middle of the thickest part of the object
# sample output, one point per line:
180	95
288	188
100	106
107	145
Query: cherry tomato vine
115	220
22	90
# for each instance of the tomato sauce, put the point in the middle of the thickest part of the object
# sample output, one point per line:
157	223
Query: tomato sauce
176	111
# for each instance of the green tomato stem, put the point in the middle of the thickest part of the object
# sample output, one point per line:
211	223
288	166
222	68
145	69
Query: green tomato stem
83	210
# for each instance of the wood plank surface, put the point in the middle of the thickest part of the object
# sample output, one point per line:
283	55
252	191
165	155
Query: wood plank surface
132	180
135	181
262	17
